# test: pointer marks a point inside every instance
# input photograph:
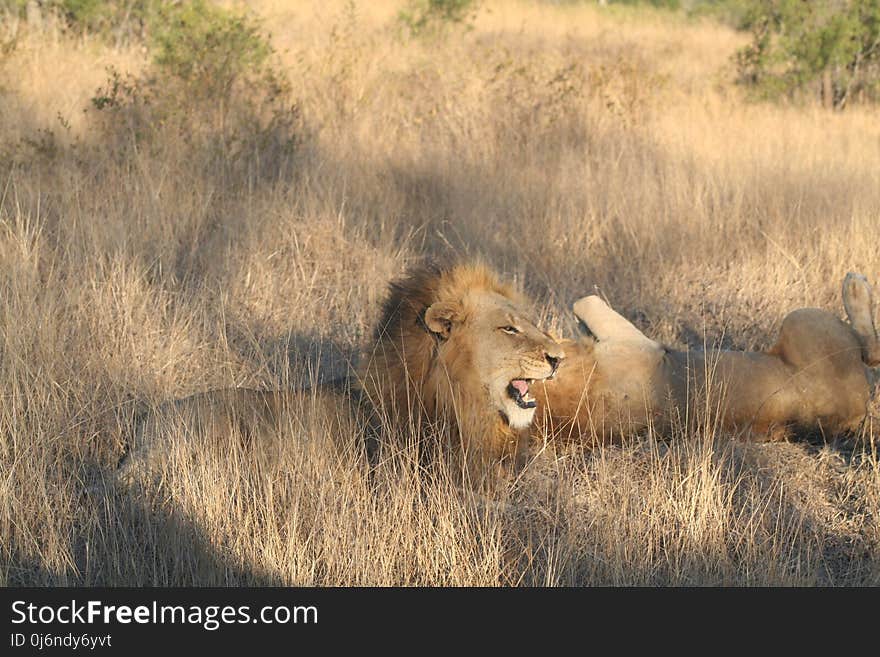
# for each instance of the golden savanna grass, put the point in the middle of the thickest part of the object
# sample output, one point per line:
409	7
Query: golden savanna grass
570	147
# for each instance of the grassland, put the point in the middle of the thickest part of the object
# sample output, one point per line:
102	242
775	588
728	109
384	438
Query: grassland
571	147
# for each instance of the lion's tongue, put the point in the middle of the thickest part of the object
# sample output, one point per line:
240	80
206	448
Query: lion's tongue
521	386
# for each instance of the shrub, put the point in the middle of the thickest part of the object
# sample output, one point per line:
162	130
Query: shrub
827	50
211	87
121	19
729	12
209	49
433	16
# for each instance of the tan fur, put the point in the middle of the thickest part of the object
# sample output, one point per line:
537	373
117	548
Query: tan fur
439	356
446	372
815	378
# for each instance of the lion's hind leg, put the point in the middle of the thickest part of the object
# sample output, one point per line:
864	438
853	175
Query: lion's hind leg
859	304
608	325
626	360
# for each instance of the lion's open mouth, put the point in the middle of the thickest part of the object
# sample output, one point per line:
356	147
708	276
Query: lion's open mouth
518	389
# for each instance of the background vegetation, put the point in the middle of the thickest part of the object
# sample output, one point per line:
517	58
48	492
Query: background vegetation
830	50
194	197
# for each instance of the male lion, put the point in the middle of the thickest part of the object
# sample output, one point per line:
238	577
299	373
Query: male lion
454	346
458	346
816	377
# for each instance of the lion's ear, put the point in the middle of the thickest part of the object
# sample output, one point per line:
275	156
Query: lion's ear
440	317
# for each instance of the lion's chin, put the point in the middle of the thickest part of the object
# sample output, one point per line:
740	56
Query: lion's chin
518	418
516	404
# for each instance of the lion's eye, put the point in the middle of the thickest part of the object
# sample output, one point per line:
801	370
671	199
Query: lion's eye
510	330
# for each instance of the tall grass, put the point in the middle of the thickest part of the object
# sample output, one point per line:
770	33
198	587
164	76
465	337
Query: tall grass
572	148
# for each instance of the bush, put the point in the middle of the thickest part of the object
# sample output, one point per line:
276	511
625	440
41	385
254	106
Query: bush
209	49
99	15
433	16
211	87
121	19
829	50
730	12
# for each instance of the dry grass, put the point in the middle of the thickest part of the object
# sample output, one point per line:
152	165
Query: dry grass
571	148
